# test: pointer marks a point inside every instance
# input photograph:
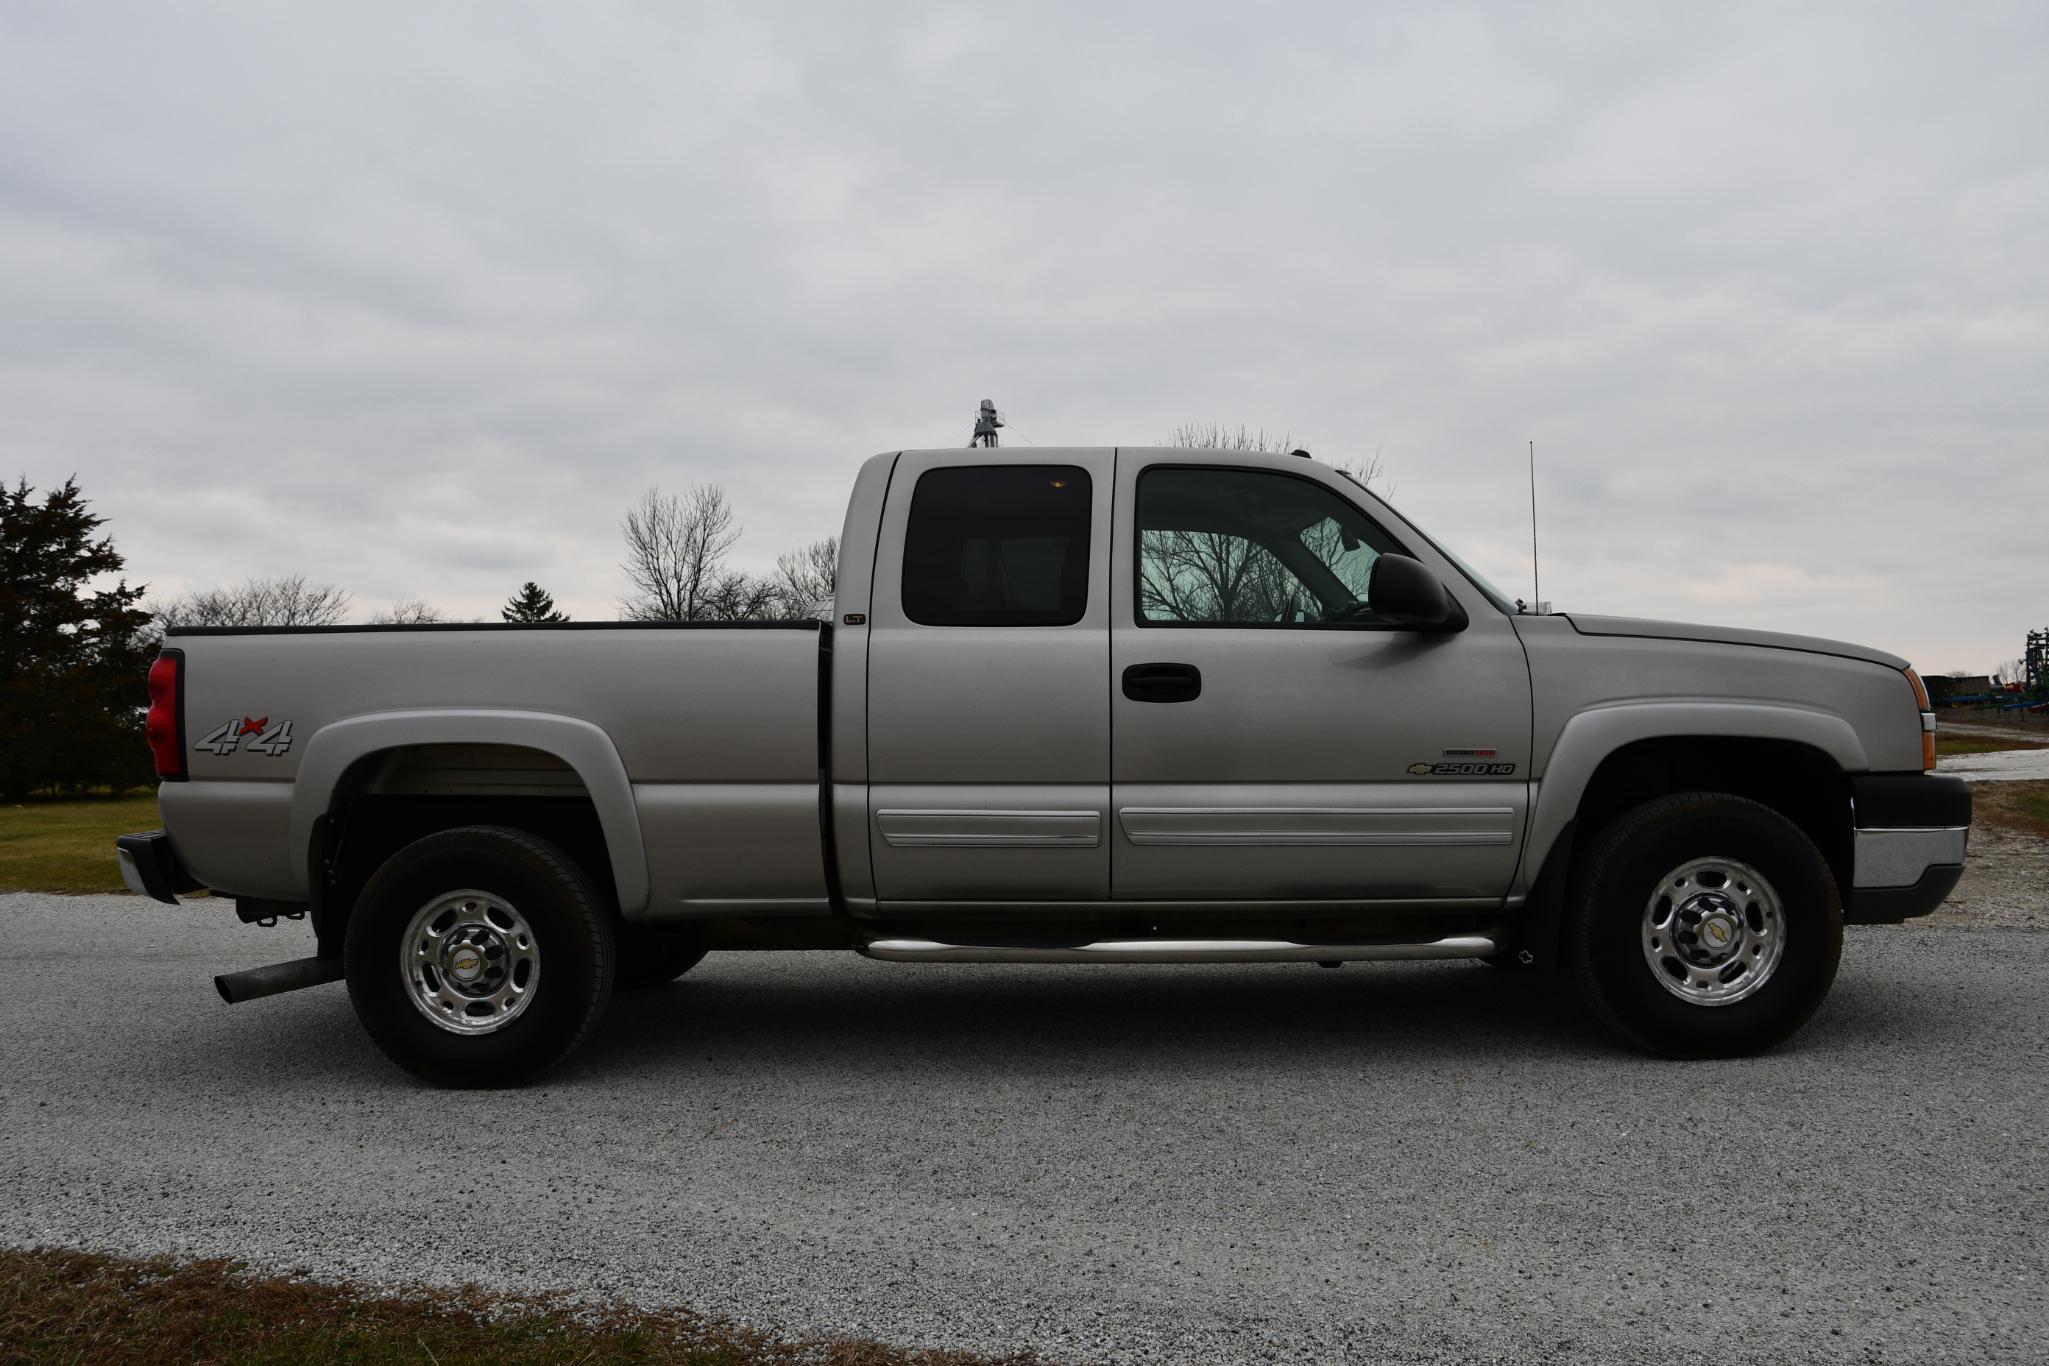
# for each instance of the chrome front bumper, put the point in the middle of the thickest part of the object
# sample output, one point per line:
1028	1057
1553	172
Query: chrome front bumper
1911	833
1901	858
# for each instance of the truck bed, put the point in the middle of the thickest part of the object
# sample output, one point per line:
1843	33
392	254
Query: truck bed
697	742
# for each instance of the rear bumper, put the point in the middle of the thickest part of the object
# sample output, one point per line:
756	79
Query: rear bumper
151	868
1912	830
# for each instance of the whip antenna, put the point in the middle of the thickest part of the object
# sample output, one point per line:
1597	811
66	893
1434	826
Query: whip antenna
1537	603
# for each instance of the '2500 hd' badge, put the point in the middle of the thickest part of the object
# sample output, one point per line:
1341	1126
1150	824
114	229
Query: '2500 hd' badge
274	740
1464	768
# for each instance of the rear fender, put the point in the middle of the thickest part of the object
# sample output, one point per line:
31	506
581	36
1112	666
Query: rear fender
579	744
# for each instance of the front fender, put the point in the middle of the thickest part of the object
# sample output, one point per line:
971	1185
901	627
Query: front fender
1590	737
579	744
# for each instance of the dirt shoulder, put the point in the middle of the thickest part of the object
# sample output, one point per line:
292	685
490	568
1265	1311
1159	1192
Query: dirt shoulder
62	1306
2021	807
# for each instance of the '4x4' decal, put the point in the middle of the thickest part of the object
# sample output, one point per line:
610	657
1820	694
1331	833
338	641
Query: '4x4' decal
272	740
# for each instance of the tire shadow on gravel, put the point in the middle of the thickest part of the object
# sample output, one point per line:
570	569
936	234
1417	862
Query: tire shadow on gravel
988	1019
1141	1018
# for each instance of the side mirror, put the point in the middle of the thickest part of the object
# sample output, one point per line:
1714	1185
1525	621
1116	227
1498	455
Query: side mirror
1402	592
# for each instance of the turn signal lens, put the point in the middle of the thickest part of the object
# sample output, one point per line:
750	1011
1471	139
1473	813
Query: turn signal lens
1927	721
166	723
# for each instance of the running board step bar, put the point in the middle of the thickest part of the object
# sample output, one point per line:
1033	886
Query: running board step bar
1180	951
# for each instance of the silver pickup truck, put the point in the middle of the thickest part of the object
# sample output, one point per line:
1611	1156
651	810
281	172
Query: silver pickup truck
1072	706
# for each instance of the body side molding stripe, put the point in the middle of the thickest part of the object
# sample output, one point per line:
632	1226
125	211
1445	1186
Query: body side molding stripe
963	829
1318	826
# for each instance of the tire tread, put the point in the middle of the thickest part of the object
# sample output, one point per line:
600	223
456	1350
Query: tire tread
1614	844
591	916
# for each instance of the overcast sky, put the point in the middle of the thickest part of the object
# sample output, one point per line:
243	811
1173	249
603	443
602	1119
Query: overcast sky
416	298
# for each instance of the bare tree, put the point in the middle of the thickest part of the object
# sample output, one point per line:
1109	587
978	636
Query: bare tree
1211	576
676	548
2012	671
409	612
1215	436
287	600
738	596
805	578
1369	472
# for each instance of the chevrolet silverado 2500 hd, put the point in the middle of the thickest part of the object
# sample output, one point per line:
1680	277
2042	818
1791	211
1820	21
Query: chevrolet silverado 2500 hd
1085	705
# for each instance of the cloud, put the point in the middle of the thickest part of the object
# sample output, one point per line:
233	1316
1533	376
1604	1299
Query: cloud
418	301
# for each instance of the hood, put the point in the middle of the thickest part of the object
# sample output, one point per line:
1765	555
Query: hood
1727	635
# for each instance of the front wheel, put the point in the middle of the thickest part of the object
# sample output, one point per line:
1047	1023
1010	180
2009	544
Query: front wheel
1704	925
479	957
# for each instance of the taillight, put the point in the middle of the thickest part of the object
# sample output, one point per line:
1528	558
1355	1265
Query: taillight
166	724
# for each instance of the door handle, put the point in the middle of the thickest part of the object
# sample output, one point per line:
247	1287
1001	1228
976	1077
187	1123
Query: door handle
1163	682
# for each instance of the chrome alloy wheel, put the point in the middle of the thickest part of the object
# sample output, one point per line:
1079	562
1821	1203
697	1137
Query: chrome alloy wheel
1713	931
470	962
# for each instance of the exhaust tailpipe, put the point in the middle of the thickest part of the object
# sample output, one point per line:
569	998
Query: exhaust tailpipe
269	981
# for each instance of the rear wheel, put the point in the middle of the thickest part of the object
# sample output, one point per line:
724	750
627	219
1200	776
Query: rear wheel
1704	925
479	957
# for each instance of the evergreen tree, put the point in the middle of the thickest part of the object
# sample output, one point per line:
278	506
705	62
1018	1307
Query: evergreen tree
74	660
531	603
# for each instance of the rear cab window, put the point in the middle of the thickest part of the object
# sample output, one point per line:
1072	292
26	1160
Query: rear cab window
998	545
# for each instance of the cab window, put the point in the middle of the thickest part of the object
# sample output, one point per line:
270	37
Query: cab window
1223	547
998	545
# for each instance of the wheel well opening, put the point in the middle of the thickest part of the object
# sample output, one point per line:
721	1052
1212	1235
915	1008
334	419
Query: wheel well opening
1798	781
386	800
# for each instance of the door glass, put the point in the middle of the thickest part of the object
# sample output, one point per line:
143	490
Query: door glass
1222	547
998	545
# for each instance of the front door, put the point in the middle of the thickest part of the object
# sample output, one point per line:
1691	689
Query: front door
1274	741
988	720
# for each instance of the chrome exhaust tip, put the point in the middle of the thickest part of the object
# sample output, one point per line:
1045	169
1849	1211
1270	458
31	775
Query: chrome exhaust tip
299	973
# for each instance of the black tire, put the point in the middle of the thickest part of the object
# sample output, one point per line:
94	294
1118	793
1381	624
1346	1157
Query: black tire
653	958
1618	884
571	936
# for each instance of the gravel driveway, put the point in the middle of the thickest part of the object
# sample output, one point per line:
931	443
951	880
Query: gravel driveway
1405	1162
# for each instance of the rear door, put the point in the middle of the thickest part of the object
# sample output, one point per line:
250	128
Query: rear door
988	663
1273	740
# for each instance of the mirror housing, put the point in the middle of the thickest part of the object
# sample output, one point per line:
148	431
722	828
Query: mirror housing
1401	592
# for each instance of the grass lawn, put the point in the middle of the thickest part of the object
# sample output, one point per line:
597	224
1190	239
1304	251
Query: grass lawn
69	846
76	1306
